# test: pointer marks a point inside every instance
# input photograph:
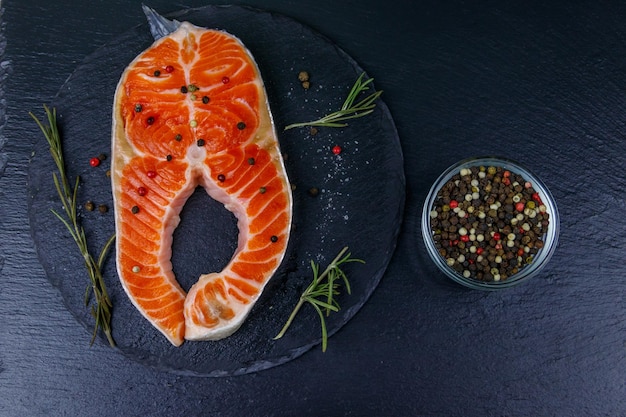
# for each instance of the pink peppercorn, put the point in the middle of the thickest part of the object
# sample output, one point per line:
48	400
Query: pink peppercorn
537	198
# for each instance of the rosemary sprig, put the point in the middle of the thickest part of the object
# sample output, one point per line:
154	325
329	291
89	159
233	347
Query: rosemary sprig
102	309
349	110
321	292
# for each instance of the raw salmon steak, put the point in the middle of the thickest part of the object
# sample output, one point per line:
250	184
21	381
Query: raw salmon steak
192	111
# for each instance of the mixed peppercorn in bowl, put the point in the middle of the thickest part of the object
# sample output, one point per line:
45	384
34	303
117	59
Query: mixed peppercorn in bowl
489	223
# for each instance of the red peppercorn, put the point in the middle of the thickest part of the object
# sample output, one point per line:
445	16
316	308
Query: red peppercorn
225	80
169	68
498	246
520	206
151	174
496	236
465	238
479	251
142	191
506	181
453	204
336	149
520	252
94	162
506	174
537	198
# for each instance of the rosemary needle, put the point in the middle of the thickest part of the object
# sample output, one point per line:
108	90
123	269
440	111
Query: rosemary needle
102	309
321	292
349	110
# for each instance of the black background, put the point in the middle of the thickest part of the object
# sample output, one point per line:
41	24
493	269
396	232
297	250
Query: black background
543	84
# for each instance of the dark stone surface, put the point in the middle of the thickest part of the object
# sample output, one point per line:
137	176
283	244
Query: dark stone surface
541	83
361	197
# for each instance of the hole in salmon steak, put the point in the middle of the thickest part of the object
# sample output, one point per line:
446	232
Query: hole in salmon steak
205	239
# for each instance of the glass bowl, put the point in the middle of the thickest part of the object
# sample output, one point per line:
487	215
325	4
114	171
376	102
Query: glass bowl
488	223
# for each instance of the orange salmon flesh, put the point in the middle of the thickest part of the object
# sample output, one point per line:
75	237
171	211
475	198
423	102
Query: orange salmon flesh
192	111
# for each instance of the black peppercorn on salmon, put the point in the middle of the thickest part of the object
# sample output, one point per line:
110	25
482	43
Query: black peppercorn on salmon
192	111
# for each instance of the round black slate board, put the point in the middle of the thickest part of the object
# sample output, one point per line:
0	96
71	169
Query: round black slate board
360	203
